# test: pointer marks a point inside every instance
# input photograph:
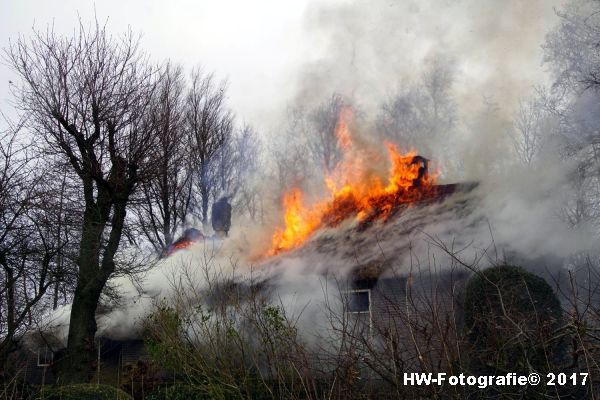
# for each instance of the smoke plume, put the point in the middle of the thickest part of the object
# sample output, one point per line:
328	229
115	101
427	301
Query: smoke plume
488	57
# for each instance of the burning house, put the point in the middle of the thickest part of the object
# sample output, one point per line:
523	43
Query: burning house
385	228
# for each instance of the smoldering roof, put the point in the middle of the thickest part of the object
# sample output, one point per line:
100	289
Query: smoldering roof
355	248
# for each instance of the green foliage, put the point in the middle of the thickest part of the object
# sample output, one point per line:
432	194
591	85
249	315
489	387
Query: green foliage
276	328
179	391
274	318
83	392
223	354
165	354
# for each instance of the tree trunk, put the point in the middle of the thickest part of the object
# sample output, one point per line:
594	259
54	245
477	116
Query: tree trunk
7	346
77	366
204	192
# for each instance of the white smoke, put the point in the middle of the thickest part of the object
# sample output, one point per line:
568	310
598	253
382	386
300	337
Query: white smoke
491	220
367	51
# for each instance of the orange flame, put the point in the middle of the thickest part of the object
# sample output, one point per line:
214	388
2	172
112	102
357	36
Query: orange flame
355	189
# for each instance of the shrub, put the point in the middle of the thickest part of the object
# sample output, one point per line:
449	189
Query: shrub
83	392
510	315
512	324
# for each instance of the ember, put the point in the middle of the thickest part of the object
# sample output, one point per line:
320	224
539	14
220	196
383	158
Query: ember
189	237
355	190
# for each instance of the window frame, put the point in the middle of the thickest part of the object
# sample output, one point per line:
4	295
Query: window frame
48	357
349	293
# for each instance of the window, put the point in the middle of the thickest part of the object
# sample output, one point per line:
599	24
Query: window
359	301
44	357
359	306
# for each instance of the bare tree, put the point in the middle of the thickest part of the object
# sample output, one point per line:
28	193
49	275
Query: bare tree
290	162
166	198
571	53
322	141
64	205
571	49
309	146
210	125
530	124
32	247
237	165
87	96
423	113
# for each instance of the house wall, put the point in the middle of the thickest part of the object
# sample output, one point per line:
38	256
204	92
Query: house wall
414	322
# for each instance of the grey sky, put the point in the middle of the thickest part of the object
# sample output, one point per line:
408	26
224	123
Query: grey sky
252	43
274	51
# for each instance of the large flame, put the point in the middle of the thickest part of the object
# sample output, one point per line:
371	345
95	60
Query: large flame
355	190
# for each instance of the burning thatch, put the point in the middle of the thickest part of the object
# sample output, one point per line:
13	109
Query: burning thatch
358	189
367	249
